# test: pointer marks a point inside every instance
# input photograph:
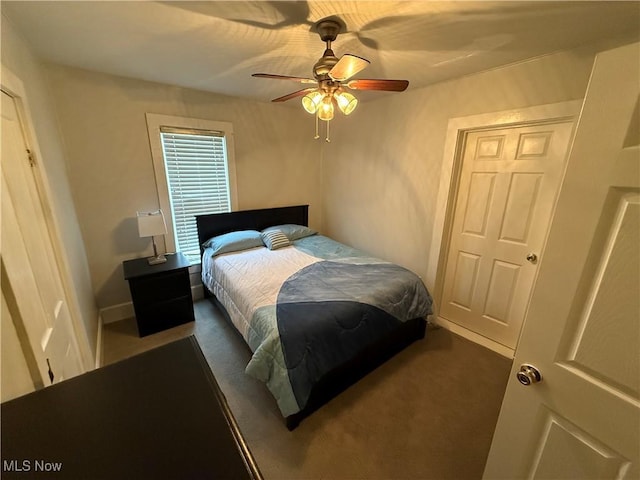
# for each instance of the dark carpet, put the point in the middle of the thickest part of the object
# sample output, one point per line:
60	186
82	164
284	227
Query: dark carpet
429	412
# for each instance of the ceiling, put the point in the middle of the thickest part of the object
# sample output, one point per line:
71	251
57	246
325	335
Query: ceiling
216	45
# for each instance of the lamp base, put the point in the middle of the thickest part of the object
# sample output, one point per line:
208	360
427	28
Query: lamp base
157	260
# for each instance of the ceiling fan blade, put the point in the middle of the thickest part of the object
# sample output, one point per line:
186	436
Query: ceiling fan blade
299	93
378	84
284	77
347	67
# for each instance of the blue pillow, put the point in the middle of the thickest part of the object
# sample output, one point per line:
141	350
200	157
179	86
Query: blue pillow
291	231
234	241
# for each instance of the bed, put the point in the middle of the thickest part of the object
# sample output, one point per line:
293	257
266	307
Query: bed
317	315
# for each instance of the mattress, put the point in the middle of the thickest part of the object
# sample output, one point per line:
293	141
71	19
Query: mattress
305	309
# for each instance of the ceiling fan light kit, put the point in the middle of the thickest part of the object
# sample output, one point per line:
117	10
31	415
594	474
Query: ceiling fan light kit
332	75
316	102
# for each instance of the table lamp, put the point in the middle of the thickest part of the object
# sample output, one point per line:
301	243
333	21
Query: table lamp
151	224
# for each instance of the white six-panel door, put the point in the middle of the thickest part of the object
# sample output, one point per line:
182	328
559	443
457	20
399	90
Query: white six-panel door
508	186
582	332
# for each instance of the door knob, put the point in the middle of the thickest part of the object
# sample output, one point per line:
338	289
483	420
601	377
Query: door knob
532	257
528	374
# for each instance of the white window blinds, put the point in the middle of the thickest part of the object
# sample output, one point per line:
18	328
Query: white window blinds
198	181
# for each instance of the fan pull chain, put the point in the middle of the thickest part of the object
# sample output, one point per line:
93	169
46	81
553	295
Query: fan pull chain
327	137
317	136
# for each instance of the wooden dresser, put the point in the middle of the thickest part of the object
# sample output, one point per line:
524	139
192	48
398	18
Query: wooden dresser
158	415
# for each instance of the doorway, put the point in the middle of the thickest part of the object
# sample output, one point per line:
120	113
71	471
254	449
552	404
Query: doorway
497	193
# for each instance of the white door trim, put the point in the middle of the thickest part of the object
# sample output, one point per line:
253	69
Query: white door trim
447	191
14	87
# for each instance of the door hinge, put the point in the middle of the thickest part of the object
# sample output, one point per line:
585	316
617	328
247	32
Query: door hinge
32	160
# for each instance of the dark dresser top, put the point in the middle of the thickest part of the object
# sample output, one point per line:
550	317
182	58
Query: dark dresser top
157	415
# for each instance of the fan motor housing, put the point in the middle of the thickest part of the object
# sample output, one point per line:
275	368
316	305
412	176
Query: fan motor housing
323	66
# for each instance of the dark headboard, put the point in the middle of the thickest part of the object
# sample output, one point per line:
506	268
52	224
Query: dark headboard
219	223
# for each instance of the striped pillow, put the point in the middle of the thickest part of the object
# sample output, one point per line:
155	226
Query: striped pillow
274	239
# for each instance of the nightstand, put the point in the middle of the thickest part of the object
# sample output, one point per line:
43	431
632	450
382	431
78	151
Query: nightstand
161	293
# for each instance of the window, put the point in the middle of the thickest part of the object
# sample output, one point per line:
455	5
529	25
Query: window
196	169
193	164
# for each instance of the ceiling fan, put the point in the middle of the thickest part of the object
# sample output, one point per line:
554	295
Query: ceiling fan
332	76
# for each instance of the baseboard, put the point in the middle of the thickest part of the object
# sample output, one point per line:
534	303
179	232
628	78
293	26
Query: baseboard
474	337
197	292
122	311
115	313
99	342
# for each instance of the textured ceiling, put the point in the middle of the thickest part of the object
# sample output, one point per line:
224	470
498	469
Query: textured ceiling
215	46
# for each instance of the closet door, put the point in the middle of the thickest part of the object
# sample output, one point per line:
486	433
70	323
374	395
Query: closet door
508	187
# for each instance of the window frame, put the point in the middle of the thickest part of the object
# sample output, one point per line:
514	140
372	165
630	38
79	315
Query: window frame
154	124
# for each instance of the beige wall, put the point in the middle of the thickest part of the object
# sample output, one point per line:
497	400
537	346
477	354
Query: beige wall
382	167
102	119
18	58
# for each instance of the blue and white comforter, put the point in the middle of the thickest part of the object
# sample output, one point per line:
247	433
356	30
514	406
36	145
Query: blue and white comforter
309	307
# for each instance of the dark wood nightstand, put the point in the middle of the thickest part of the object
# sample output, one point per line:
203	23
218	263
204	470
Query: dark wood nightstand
161	293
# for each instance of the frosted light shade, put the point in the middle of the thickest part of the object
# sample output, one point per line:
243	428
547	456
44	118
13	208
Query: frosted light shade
311	101
151	223
325	110
346	102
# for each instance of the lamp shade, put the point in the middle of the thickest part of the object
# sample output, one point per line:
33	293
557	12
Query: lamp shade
151	223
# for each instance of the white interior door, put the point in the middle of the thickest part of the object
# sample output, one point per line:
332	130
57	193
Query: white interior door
582	331
508	186
29	260
15	375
